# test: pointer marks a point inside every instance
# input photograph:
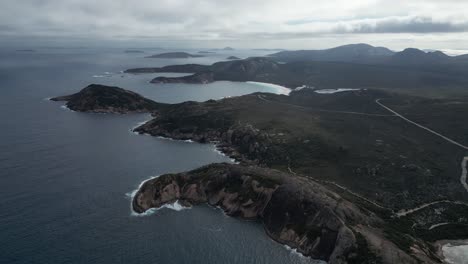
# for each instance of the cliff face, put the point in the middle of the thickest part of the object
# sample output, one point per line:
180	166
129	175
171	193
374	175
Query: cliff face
106	99
294	211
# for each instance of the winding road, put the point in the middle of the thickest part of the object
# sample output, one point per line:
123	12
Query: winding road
464	162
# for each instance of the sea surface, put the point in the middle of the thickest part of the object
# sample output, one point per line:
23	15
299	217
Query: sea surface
66	177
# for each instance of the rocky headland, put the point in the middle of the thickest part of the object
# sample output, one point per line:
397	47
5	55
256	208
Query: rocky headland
107	99
295	211
326	174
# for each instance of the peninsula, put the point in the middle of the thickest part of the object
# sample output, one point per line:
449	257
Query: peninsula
337	176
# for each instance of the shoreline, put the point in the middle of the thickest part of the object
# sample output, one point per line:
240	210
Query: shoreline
442	245
279	89
176	206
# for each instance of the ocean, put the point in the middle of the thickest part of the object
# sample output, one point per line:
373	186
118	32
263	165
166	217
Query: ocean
66	177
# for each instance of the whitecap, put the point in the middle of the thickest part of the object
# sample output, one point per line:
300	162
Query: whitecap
98	76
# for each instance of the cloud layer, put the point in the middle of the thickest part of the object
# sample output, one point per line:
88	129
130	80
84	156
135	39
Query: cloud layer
241	20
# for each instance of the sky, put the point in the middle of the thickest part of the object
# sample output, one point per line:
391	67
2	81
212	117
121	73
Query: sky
291	24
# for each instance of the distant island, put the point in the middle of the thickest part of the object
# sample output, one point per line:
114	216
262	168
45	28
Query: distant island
228	48
175	55
342	177
134	51
26	50
232	58
351	66
206	52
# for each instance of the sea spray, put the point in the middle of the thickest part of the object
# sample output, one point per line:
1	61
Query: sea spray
176	206
65	107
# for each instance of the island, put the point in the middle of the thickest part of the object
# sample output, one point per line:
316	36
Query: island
134	51
106	99
352	176
232	58
175	55
354	66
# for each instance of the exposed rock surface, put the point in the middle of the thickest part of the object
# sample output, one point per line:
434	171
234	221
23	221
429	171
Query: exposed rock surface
294	210
107	99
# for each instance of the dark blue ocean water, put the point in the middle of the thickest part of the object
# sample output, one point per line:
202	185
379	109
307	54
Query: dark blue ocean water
65	176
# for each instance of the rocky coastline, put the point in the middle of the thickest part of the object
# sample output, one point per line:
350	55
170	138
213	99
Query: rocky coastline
97	98
302	212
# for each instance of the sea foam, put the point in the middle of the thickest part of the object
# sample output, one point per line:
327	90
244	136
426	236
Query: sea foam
176	206
294	251
65	107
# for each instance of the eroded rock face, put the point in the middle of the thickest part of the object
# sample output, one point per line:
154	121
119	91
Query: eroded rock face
294	211
107	99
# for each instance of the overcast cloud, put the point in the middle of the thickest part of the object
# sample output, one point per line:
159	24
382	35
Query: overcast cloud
274	23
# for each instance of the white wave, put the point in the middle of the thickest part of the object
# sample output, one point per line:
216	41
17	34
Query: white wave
294	251
303	87
222	154
137	125
65	107
47	99
278	88
455	254
176	206
180	140
218	208
98	76
332	91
